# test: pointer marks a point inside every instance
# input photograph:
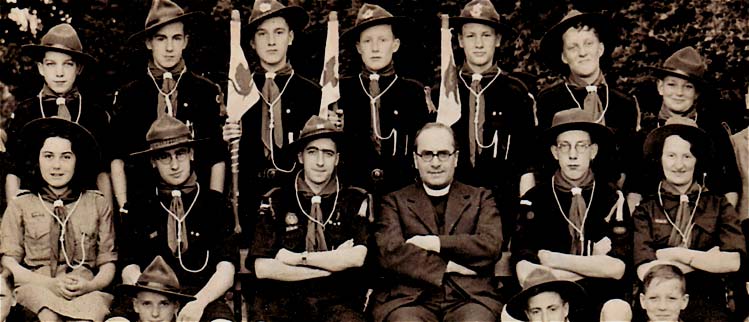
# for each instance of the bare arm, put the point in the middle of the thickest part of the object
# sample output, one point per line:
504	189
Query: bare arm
220	282
119	182
269	268
21	275
712	261
333	260
12	185
218	174
600	266
102	278
104	184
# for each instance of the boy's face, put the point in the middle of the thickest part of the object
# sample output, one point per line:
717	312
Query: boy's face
59	71
154	307
479	42
664	300
271	42
581	51
678	94
319	158
7	300
167	44
547	307
376	46
574	151
173	164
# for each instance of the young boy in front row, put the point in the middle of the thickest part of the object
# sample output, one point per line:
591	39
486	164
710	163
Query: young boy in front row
7	298
663	295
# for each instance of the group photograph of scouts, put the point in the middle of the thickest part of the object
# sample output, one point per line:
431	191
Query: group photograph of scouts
347	190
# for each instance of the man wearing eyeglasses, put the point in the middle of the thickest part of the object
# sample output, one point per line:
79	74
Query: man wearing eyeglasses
573	224
438	241
186	223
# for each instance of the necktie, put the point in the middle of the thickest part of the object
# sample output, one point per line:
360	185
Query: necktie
61	101
62	109
592	103
374	108
682	223
167	99
271	121
576	213
315	239
476	116
177	236
67	239
166	102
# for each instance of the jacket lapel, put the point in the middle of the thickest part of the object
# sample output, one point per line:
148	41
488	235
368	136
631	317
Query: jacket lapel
420	205
457	202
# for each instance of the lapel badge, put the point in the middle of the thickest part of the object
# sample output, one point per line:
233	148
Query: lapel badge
264	7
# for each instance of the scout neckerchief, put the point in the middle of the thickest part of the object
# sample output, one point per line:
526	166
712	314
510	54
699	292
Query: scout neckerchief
665	113
374	95
59	231
167	100
62	101
592	103
315	239
272	120
476	109
176	226
578	212
681	234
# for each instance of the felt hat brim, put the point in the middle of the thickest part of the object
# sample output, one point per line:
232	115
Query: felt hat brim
149	151
663	72
299	144
599	133
187	17
551	43
37	52
351	35
134	289
458	22
295	16
570	291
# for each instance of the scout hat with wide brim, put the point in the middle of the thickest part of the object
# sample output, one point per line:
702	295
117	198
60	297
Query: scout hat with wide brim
576	119
483	12
262	10
540	281
34	133
165	133
685	128
685	63
316	128
61	38
371	15
158	277
551	43
162	13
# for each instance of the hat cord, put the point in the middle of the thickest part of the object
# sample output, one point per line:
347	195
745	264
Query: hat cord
684	236
605	108
168	96
372	105
80	105
495	139
299	203
273	121
63	225
179	231
581	229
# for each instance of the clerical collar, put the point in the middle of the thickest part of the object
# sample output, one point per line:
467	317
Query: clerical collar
436	192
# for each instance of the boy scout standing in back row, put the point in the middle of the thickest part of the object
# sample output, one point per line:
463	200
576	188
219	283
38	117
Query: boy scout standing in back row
383	110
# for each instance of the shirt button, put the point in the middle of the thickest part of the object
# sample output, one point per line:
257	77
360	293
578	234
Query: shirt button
395	112
288	111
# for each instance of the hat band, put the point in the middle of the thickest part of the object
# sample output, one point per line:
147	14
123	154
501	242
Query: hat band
159	286
160	144
63	47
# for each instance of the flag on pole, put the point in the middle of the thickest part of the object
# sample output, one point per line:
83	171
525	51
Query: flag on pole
242	92
329	77
448	110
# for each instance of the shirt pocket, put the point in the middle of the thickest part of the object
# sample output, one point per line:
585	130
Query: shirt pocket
703	234
36	238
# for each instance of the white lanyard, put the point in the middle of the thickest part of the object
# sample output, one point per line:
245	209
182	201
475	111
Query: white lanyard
606	107
373	109
299	203
80	105
179	230
581	230
270	77
684	236
168	96
63	228
477	109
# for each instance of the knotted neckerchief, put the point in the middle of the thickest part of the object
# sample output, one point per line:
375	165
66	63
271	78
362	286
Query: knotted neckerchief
374	105
315	239
665	113
592	103
167	100
476	109
681	234
61	212
177	208
62	101
272	123
578	206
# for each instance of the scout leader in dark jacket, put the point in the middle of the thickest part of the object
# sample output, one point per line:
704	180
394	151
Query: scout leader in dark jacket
60	60
574	223
183	222
686	223
438	241
167	86
575	48
311	238
287	101
383	110
680	81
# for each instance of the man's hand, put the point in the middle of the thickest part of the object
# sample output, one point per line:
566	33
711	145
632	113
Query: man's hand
677	254
602	247
336	117
232	131
192	311
345	245
426	242
453	267
288	257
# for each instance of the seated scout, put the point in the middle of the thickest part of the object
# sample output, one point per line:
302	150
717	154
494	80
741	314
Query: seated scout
546	298
184	222
573	223
438	241
311	238
683	222
157	296
57	239
7	298
664	293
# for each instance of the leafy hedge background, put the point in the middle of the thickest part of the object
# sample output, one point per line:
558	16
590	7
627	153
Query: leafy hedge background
648	32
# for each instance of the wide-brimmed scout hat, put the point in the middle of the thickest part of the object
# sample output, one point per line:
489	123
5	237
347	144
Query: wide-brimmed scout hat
60	38
34	133
483	12
685	63
162	13
539	281
685	128
295	16
576	119
371	15
158	277
316	128
551	43
165	133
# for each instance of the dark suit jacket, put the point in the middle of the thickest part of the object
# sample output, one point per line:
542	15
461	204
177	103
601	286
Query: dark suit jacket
473	236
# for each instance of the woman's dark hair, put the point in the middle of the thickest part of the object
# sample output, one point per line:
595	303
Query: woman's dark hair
697	147
84	176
